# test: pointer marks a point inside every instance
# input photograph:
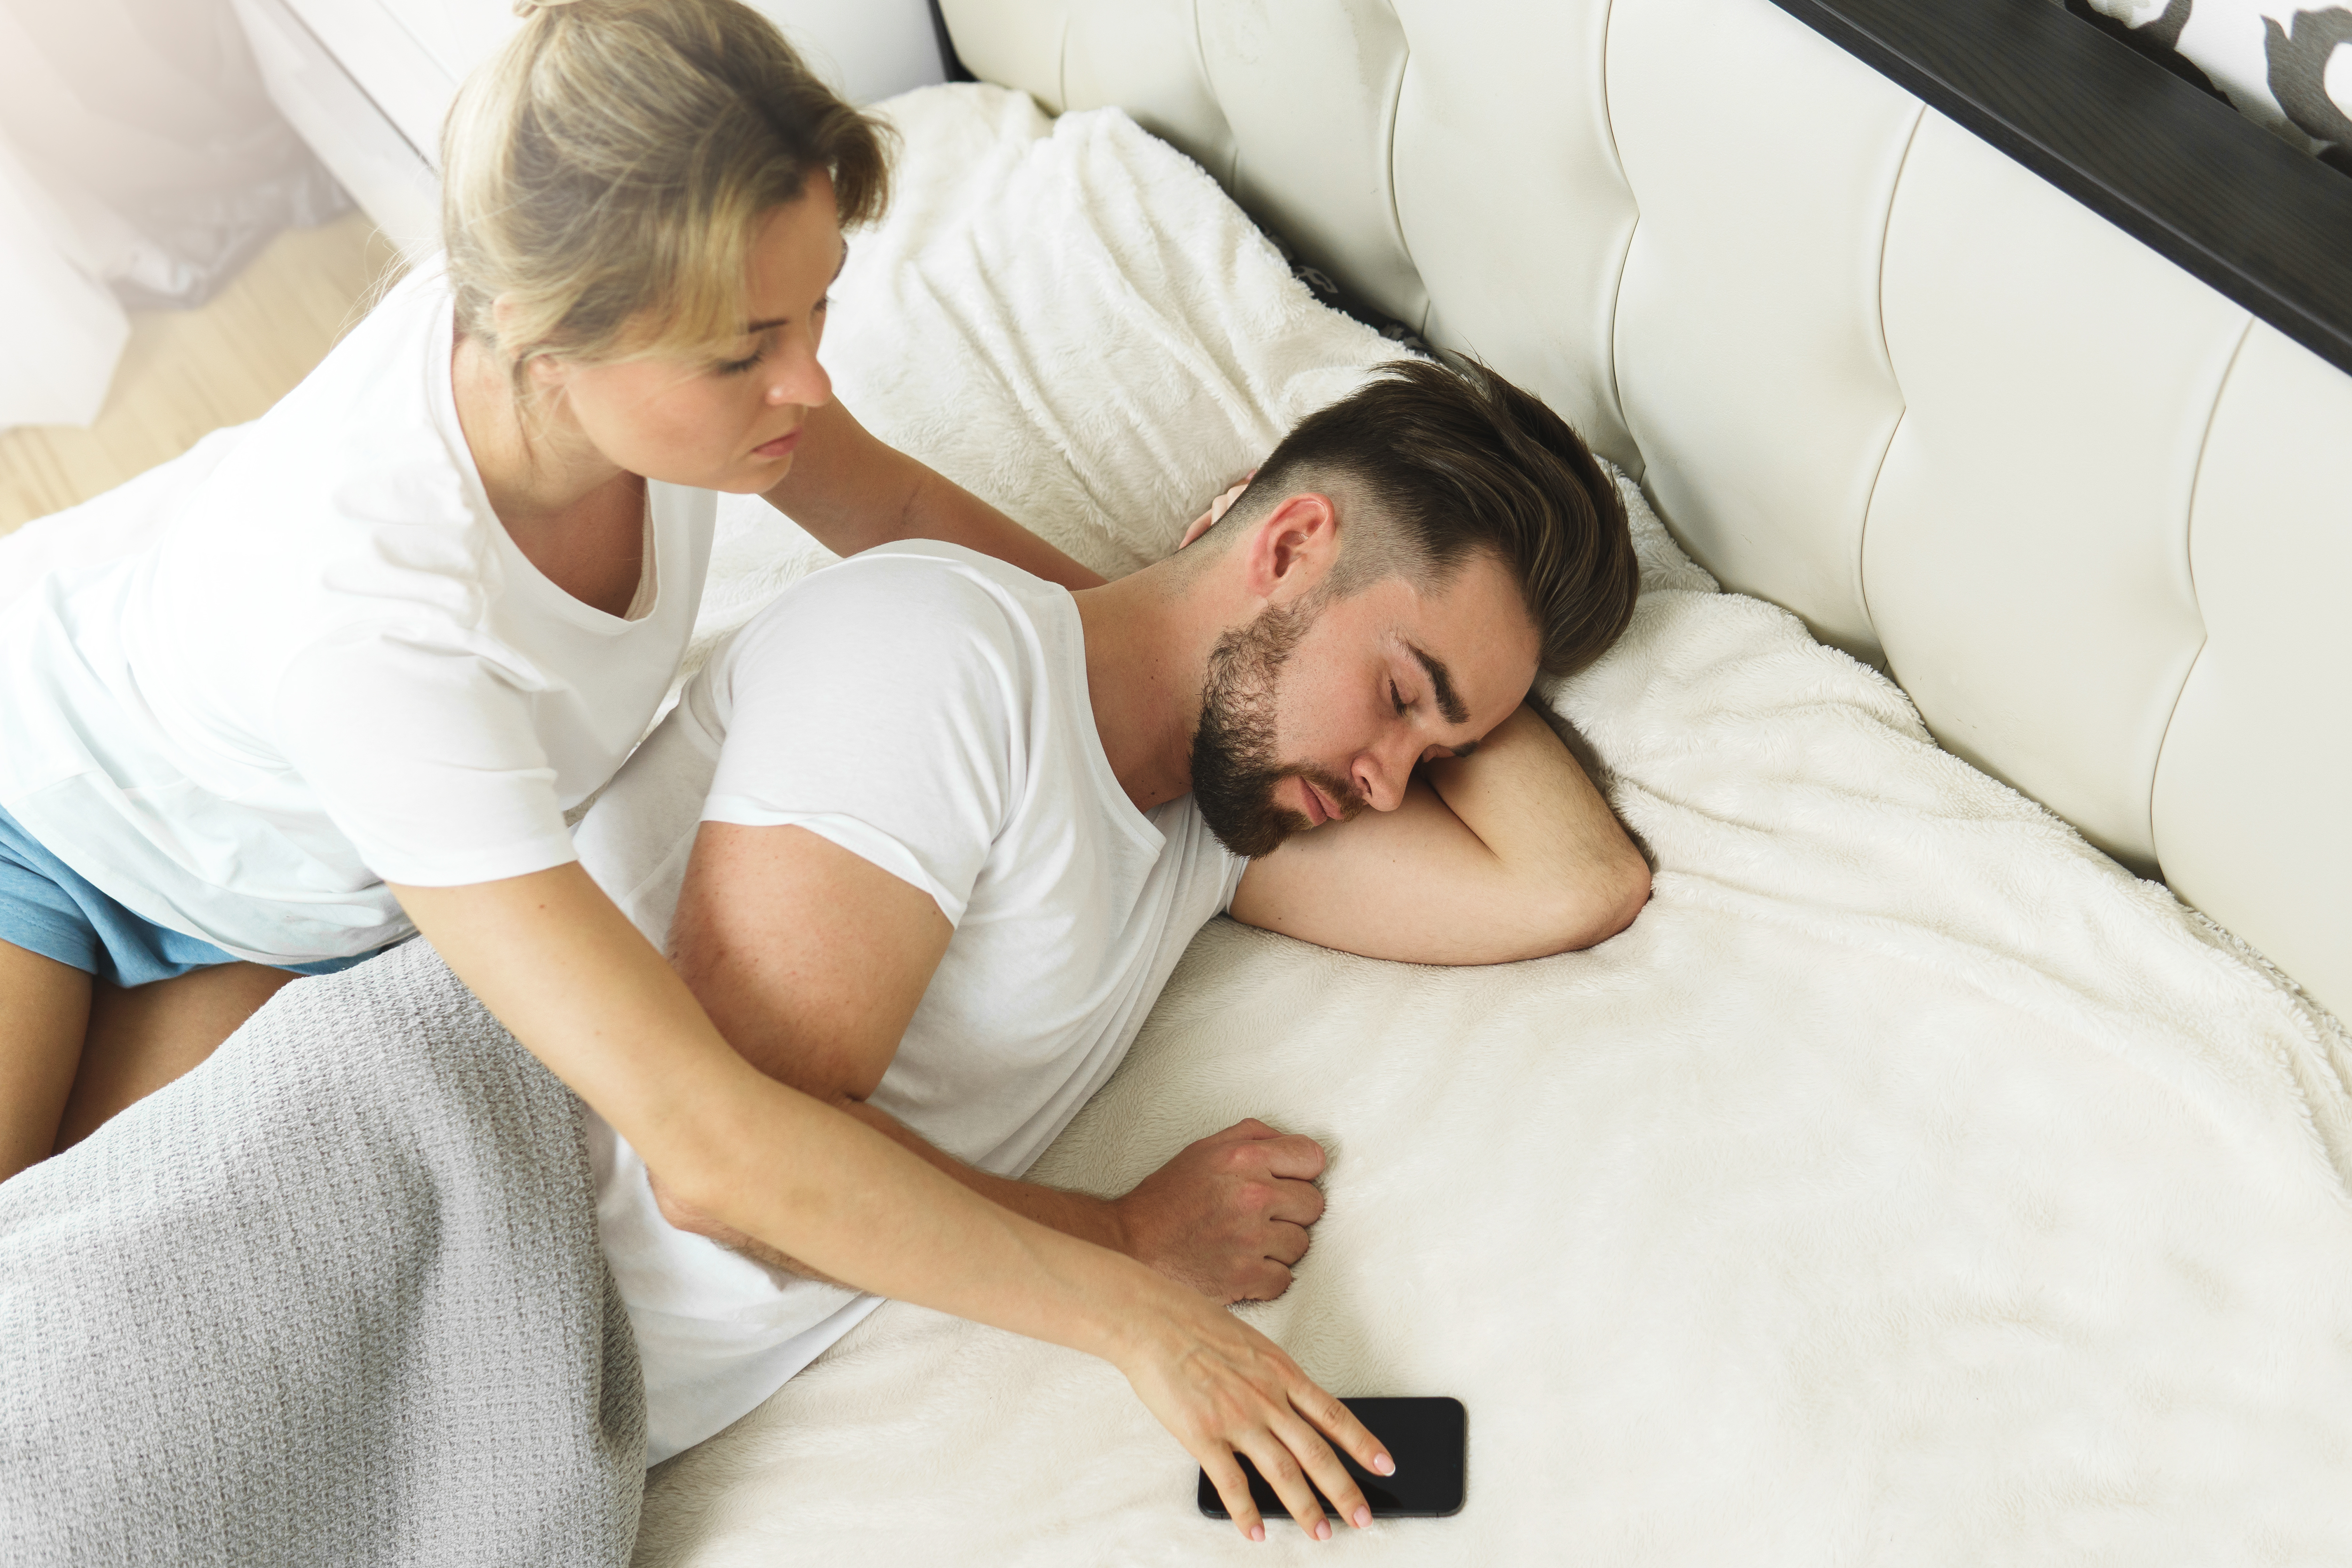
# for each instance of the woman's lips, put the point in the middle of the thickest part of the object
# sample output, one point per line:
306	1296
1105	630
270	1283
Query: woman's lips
782	446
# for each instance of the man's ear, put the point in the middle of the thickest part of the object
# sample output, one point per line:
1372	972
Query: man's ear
1291	550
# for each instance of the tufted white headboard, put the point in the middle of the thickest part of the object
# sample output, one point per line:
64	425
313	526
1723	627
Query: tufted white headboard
2094	515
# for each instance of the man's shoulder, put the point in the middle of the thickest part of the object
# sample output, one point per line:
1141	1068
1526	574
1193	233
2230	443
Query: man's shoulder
911	618
918	585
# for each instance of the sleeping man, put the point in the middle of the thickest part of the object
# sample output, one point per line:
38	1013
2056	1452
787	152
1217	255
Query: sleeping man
928	835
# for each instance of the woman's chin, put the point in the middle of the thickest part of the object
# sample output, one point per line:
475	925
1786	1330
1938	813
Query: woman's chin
751	476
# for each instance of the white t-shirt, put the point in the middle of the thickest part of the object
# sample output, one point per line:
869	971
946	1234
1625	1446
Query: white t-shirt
926	709
333	668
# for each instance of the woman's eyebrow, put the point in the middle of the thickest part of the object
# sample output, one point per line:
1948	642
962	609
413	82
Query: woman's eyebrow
756	328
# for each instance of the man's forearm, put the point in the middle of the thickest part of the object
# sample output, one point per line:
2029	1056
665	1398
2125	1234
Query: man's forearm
852	491
1524	797
1073	1213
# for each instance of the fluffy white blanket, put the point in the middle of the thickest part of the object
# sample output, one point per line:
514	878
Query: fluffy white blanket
1909	1184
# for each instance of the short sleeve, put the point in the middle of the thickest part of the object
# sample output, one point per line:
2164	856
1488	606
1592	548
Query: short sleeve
879	704
425	755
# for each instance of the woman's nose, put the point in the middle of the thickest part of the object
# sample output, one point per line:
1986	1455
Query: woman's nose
800	379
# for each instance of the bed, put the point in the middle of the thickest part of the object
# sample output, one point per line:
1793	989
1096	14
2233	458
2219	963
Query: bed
1951	1163
1918	1179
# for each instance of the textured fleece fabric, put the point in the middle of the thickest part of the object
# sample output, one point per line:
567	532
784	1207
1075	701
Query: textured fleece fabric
334	1297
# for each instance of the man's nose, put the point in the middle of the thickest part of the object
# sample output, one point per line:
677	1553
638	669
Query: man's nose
1381	778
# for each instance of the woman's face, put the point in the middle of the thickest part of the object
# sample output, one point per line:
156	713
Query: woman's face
728	423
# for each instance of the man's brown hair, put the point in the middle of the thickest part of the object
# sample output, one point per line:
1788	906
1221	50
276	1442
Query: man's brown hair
1433	465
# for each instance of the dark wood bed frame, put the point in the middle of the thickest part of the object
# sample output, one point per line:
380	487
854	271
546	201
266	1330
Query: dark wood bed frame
2265	225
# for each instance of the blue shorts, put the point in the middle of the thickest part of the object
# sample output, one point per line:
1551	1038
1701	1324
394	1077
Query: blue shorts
47	907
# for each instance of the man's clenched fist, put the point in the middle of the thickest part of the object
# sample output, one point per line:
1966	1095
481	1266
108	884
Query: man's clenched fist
1228	1215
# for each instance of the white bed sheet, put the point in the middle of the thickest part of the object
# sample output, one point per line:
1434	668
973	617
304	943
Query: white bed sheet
1908	1184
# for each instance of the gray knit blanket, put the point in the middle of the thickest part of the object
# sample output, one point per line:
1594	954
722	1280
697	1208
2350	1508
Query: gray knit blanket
334	1297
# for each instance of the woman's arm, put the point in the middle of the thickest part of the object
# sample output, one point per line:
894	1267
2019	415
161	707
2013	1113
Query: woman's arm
852	491
560	967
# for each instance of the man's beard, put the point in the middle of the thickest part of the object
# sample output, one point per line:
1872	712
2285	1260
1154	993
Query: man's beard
1234	769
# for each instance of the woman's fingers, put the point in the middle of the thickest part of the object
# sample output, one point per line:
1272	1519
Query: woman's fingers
1298	1462
1224	1389
1217	508
1324	1469
1271	1455
1233	1487
1339	1424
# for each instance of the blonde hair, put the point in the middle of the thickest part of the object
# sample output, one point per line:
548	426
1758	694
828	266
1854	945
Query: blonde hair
604	175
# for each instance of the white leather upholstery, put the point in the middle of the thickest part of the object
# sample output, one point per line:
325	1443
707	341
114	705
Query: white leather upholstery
2091	516
2251	785
1529	286
1314	145
2026	558
1750	358
1145	56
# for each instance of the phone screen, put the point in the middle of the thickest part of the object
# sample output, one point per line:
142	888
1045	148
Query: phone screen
1426	1437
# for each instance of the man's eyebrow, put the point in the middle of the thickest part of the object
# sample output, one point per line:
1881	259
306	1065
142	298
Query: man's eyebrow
1448	702
756	328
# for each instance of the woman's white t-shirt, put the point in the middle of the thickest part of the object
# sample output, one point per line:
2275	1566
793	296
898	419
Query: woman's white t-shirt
332	670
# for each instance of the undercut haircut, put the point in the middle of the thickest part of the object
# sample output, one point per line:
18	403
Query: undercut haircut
1428	467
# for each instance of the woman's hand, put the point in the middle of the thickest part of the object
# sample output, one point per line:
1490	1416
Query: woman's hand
1217	508
852	491
1224	1388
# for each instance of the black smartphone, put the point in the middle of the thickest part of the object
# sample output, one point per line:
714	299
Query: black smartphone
1428	1438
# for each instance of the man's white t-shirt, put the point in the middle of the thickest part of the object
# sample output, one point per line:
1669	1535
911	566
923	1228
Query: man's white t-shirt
332	669
927	708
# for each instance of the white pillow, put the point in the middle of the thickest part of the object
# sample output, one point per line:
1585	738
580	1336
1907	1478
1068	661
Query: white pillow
1069	319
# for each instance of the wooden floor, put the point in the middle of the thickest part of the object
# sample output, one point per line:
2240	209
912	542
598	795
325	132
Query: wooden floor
186	373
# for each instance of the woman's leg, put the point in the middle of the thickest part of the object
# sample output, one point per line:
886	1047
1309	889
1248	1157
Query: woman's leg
142	1038
44	1016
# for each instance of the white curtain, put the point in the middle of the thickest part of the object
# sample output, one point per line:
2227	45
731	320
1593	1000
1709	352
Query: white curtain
61	328
140	161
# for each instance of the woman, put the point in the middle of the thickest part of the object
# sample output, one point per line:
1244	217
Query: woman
392	632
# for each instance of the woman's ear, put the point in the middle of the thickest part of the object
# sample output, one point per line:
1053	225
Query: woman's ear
1291	549
548	372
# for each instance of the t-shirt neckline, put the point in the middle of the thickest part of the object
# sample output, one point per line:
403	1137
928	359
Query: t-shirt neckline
442	398
1072	650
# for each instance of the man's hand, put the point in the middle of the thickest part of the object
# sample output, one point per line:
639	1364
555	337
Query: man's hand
1228	1215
